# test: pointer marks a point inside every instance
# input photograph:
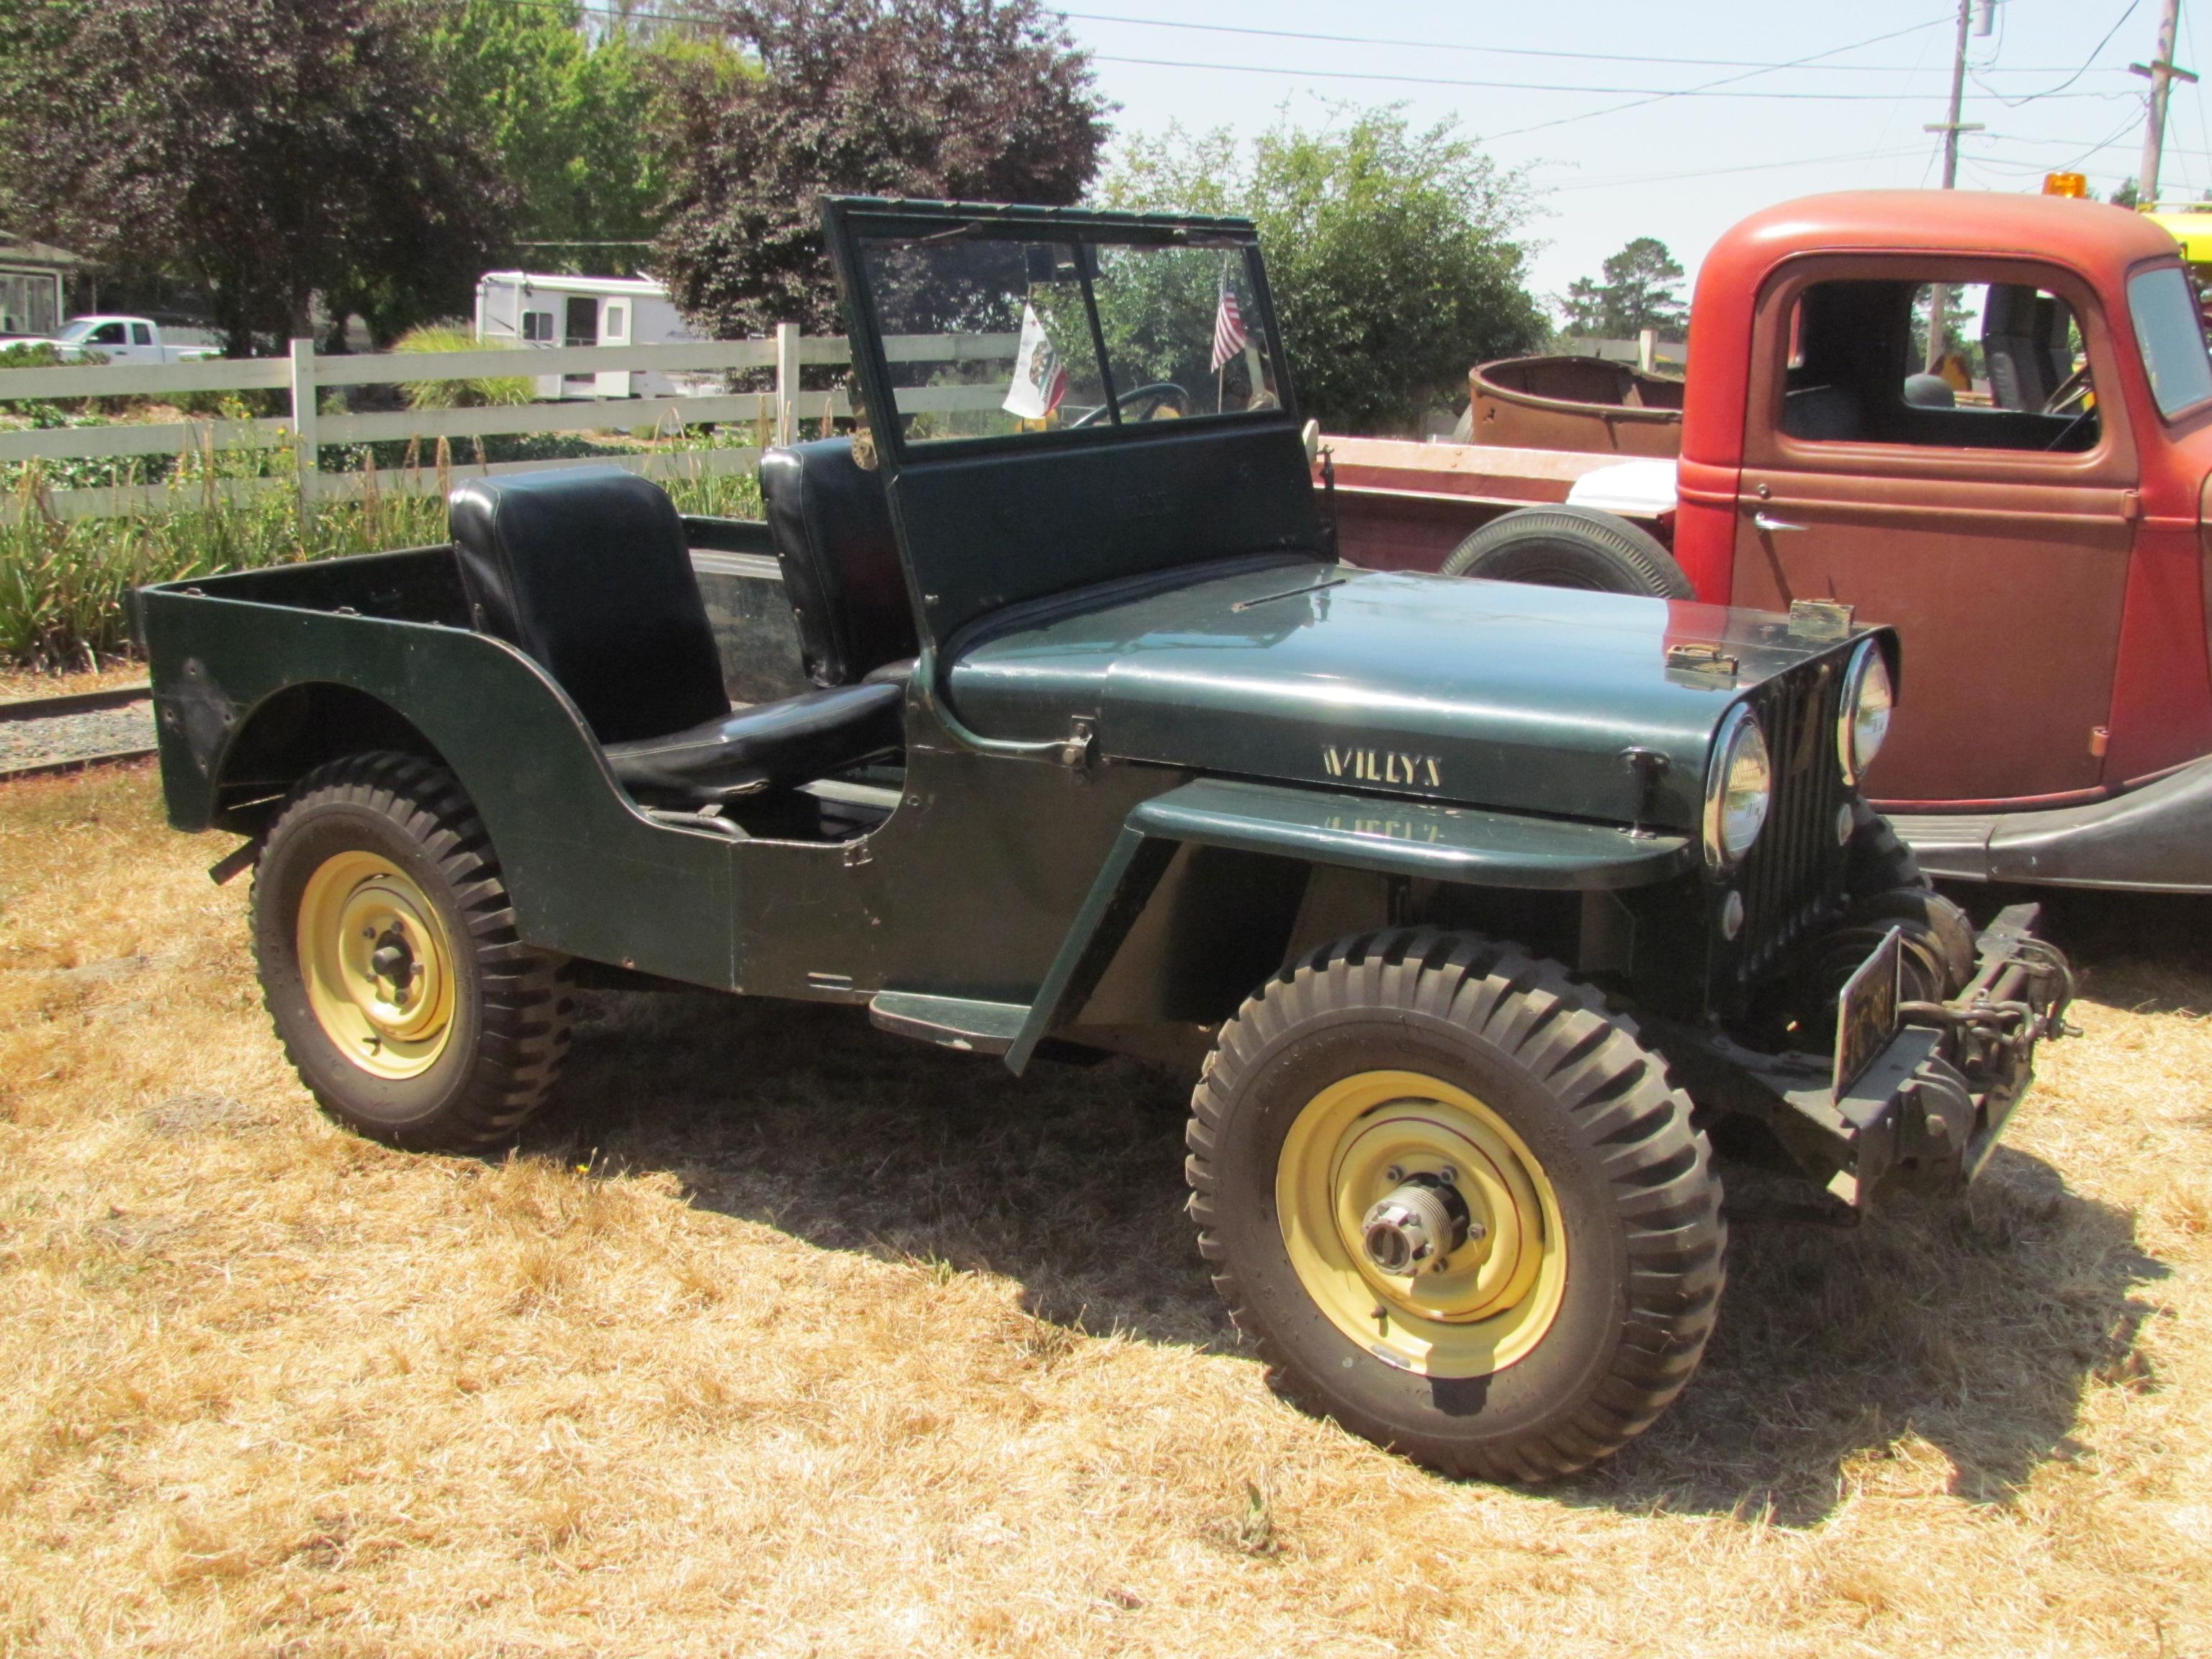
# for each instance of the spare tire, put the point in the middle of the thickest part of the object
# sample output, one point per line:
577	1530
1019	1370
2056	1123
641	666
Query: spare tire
1571	547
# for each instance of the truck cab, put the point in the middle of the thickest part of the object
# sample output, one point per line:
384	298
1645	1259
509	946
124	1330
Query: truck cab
2029	516
2042	549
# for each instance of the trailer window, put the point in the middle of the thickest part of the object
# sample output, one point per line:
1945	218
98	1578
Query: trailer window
2172	336
2010	370
538	325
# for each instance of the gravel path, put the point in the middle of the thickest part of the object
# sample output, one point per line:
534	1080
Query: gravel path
70	736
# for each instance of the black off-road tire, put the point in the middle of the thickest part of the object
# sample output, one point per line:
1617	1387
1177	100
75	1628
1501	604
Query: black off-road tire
1888	887
1640	1203
510	1022
1571	547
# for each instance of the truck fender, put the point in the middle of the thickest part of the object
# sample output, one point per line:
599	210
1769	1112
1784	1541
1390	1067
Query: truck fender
1466	845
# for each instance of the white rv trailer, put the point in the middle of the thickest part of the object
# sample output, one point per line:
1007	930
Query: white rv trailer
531	309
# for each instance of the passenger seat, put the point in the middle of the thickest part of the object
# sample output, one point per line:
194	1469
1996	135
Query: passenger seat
831	524
586	570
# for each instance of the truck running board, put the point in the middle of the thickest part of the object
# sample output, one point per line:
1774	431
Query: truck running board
983	1028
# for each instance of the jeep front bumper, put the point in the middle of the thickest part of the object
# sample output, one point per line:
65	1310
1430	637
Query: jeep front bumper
1928	1111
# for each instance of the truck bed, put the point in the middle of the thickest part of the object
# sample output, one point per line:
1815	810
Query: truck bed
1404	505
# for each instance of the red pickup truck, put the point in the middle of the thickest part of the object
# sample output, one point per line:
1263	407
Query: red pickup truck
2033	523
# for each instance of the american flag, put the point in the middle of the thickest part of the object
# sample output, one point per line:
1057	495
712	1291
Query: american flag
1229	337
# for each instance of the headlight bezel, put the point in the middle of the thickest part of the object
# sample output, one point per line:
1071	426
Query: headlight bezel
1868	658
1740	728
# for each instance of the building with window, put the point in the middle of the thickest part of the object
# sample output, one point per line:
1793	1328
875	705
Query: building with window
31	275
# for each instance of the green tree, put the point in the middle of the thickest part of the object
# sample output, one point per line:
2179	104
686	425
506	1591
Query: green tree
1641	289
268	149
973	98
1392	252
2127	194
567	114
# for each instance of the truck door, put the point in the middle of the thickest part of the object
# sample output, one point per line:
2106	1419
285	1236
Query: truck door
1987	511
112	341
614	330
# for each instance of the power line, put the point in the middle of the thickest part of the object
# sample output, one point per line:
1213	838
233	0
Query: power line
1751	167
2052	92
1640	103
1504	51
1654	93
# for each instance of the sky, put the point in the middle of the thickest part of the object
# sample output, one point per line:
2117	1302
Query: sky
1573	95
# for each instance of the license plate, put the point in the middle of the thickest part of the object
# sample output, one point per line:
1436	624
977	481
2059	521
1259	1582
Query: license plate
1866	1011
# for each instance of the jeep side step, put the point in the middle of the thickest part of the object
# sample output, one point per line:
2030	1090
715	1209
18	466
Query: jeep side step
983	1028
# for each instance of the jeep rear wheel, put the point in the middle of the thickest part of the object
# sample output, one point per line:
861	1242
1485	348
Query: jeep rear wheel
1457	1204
390	962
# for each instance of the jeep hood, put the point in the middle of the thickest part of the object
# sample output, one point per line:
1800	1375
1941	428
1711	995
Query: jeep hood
1488	694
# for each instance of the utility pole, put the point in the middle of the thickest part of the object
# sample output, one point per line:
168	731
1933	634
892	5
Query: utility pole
2163	74
1951	126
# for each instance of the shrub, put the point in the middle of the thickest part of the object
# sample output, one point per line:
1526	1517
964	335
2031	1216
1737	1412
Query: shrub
481	391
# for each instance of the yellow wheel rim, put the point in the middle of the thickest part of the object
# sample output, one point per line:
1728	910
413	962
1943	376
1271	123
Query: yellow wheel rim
377	963
1488	1302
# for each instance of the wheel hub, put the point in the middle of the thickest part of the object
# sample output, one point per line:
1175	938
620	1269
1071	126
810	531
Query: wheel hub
377	964
1420	1224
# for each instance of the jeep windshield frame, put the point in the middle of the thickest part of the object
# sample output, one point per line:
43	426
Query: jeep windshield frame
863	230
1031	508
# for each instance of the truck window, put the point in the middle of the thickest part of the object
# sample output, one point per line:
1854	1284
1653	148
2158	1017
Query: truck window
107	334
2013	373
993	336
2172	337
141	334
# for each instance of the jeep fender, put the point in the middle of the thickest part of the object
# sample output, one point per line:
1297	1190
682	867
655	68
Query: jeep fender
1460	844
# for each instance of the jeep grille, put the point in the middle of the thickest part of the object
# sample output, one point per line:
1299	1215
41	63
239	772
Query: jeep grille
1793	878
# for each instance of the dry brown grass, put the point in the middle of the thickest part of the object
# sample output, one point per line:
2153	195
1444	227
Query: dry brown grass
782	1337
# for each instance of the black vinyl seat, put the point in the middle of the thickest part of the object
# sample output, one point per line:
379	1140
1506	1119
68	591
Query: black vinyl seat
586	570
831	524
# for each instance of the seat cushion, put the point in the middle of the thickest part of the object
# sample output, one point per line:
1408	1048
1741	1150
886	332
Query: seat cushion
586	570
769	745
831	524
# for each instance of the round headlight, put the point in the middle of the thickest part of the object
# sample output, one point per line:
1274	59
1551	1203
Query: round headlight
1738	788
1862	718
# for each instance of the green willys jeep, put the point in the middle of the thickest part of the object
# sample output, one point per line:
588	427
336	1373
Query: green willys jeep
1475	908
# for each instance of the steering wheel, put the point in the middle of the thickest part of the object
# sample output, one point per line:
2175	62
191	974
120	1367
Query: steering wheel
2071	390
1156	396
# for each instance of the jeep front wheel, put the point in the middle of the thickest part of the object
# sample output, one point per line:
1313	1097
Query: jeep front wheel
390	961
1457	1205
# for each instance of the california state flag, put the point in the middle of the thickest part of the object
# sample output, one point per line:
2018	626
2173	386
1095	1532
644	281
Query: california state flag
1040	378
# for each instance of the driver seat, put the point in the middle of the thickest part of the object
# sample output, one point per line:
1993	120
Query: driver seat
587	571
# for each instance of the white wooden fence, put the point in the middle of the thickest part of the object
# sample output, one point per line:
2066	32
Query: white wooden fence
778	416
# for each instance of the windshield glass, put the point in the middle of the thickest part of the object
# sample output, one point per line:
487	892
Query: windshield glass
998	336
2172	338
75	330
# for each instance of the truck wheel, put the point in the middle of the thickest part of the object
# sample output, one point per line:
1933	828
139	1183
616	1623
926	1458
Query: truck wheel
389	960
1457	1204
1887	887
1571	547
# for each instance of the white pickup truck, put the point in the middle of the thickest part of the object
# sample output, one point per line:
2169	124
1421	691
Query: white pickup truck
117	340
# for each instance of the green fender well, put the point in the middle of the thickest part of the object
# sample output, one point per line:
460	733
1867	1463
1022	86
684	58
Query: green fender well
1461	844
